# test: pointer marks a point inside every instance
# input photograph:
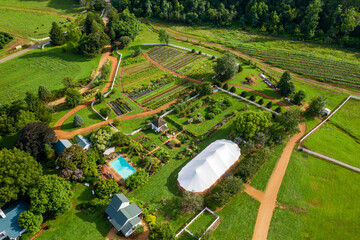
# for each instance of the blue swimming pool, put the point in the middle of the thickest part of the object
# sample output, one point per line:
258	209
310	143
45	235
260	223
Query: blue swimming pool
122	167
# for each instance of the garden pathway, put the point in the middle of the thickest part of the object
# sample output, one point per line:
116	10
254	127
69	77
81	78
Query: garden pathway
268	203
191	38
253	192
104	57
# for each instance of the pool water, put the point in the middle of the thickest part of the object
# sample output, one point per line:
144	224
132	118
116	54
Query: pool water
122	167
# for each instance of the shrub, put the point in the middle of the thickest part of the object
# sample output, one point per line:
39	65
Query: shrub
43	92
137	179
213	57
191	202
299	97
278	110
252	163
210	116
193	50
244	94
252	98
216	110
233	89
217	83
269	105
190	120
106	188
137	52
72	98
226	86
150	219
117	122
78	121
99	97
240	69
29	221
201	119
200	52
261	101
105	112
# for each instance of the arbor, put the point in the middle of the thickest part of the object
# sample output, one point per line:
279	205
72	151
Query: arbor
18	171
299	97
106	188
78	121
33	137
43	92
286	87
249	123
316	107
161	231
164	36
205	89
51	194
191	202
57	36
226	66
137	179
72	98
289	120
29	221
75	157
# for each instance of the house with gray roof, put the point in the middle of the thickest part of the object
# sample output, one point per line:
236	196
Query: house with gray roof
83	142
123	215
9	226
61	145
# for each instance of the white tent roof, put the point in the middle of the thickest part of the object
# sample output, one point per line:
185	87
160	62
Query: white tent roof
207	167
109	150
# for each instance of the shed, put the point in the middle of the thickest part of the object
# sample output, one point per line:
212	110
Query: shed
9	226
83	142
123	215
61	145
159	125
209	166
327	111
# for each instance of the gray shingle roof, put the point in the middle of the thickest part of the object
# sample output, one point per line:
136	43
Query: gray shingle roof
10	224
159	122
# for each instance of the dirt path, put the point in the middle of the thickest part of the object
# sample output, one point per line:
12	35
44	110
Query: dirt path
192	38
262	94
37	11
253	192
268	202
170	71
104	57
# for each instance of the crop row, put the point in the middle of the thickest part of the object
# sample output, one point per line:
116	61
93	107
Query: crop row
167	97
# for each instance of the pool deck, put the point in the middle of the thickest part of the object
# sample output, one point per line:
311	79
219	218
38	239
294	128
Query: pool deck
107	168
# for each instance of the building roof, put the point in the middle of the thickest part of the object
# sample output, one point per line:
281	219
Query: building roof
120	217
82	141
159	122
10	224
130	224
208	166
61	145
109	151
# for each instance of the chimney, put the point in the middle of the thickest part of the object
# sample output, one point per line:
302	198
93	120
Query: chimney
2	214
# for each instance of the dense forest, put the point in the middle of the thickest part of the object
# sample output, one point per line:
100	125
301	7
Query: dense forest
329	20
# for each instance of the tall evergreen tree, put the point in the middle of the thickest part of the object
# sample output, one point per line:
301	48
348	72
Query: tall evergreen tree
57	35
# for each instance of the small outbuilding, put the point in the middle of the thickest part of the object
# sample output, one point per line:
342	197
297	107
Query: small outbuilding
61	145
327	111
209	166
9	226
123	215
159	125
83	142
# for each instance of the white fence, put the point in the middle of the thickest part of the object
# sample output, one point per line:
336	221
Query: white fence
176	46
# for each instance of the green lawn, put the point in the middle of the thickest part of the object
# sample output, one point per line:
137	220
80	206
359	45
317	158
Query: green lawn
319	199
199	226
42	67
76	224
28	24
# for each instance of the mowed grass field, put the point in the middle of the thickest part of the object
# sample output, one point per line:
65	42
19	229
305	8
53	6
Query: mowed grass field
42	67
318	200
34	18
340	137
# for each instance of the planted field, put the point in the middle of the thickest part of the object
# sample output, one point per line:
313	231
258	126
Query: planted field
172	58
318	200
42	67
199	226
119	106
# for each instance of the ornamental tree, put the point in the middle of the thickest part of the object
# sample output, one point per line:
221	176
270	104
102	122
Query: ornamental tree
51	194
299	97
78	121
43	92
106	188
18	171
249	123
30	222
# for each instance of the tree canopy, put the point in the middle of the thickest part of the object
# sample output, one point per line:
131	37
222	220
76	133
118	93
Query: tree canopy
316	107
249	123
72	98
57	35
226	66
29	221
51	194
164	36
106	188
33	137
286	87
18	171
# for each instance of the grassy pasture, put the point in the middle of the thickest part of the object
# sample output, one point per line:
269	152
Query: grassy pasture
318	201
199	226
42	67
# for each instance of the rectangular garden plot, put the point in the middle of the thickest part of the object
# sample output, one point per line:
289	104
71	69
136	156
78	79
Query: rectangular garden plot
119	106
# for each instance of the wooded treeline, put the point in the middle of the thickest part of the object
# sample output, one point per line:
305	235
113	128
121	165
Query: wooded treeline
329	20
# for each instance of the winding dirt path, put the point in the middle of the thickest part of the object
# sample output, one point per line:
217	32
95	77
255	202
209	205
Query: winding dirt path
268	203
104	57
192	38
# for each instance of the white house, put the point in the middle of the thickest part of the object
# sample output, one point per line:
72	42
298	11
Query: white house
159	125
122	215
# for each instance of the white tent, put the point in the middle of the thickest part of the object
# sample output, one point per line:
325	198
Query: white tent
207	167
109	151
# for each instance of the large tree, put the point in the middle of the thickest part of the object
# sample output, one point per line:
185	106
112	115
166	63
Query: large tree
74	37
75	157
164	36
33	137
18	171
311	18
51	194
161	231
316	107
249	123
285	85
36	106
192	202
226	66
106	188
290	120
30	222
57	35
72	98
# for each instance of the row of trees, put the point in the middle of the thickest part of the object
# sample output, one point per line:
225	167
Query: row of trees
327	20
